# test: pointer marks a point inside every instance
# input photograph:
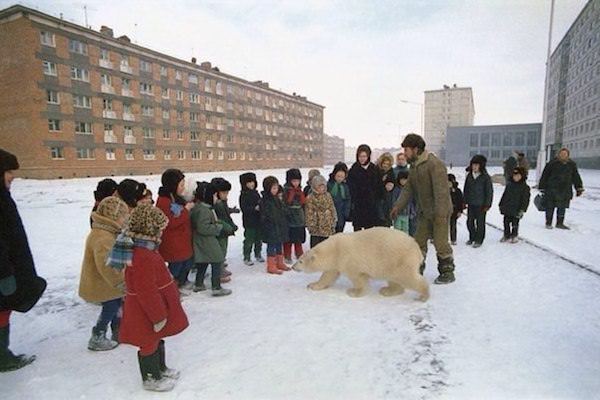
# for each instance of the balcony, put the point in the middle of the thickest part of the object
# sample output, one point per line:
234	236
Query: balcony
105	64
220	144
107	89
129	140
220	109
109	114
210	143
126	68
110	137
126	92
210	125
220	127
208	107
128	117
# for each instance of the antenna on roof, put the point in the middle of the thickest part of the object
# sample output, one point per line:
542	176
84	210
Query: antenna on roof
85	14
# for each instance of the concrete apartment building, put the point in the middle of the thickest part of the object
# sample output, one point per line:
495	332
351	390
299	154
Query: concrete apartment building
450	106
333	149
573	96
84	103
495	142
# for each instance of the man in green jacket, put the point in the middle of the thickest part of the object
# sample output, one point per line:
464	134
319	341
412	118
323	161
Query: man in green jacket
428	185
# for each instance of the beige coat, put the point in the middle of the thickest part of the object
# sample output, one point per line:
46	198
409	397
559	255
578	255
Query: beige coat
321	216
99	282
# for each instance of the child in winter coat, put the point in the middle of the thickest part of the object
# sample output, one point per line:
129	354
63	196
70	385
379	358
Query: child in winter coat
340	192
105	188
385	203
311	174
176	245
478	197
130	191
273	224
206	231
249	203
405	221
321	217
100	283
223	212
294	200
458	205
152	308
514	203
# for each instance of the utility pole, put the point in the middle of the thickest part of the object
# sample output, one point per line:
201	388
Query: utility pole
541	160
86	18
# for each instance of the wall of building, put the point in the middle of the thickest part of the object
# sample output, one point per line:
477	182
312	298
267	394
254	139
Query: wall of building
333	149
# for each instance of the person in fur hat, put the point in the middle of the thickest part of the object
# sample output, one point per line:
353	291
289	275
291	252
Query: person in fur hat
311	174
294	200
321	216
152	309
340	192
513	204
249	203
273	224
223	187
364	184
20	286
478	193
176	246
99	283
105	188
130	191
206	230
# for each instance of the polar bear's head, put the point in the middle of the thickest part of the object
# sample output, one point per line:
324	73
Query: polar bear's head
314	260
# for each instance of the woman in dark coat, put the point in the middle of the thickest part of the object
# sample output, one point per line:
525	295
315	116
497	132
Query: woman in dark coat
20	287
559	177
364	183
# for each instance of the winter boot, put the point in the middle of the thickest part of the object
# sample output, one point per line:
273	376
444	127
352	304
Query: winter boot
504	239
166	371
199	287
259	258
9	361
298	250
248	263
280	264
225	272
152	378
548	223
560	223
220	292
446	270
272	265
114	329
514	239
99	341
469	242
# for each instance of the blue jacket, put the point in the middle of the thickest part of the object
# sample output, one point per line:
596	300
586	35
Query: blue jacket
342	202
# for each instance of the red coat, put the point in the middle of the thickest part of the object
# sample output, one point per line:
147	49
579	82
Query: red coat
176	244
151	296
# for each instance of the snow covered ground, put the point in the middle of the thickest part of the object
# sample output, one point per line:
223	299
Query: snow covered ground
519	322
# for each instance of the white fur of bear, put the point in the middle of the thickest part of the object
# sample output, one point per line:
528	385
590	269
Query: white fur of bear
376	253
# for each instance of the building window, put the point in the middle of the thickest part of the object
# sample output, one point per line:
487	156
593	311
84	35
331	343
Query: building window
75	46
219	88
163	70
80	74
177	75
129	154
507	139
179	95
110	154
221	155
85	154
194	98
84	128
166	134
209	155
179	115
520	139
104	54
474	140
147	111
194	117
107	104
49	68
52	97
196	155
207	86
124	60
532	138
496	139
47	38
146	88
506	153
148	133
181	154
149	154
179	134
128	131
82	101
195	136
165	114
56	153
165	93
485	140
54	125
193	78
145	66
167	154
231	155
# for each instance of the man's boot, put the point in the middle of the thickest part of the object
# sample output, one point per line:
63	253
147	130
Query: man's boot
560	223
9	361
446	270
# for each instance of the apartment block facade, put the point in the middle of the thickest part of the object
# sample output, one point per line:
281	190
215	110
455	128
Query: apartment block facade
84	103
450	106
333	149
573	96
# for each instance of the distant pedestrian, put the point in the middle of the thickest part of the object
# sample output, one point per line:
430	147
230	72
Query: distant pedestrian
478	193
458	205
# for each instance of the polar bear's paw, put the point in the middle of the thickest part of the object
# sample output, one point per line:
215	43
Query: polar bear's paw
354	292
317	286
391	290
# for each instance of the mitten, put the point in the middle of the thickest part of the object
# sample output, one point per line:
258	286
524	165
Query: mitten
159	325
8	285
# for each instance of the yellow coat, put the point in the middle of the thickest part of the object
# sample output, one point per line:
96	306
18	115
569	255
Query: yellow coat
99	282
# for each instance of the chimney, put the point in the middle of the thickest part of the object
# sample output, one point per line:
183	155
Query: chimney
216	69
294	94
124	38
194	60
206	65
454	85
106	31
446	87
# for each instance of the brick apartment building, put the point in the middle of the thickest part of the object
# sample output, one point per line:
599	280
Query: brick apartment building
83	103
333	149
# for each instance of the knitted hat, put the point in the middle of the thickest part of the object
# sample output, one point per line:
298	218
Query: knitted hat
317	181
246	178
106	187
413	140
170	180
204	192
312	173
147	222
268	183
221	184
293	173
8	161
112	208
131	191
364	148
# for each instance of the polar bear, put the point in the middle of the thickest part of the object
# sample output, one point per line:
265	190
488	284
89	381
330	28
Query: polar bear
377	253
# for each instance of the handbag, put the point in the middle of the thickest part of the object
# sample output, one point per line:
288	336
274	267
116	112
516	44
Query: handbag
540	202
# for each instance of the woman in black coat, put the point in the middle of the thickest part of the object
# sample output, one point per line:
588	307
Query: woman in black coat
364	183
559	178
20	287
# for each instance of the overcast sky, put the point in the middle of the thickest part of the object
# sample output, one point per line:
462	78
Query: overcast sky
357	58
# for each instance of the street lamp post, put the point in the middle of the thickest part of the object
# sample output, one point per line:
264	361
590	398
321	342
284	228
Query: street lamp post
417	104
541	160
